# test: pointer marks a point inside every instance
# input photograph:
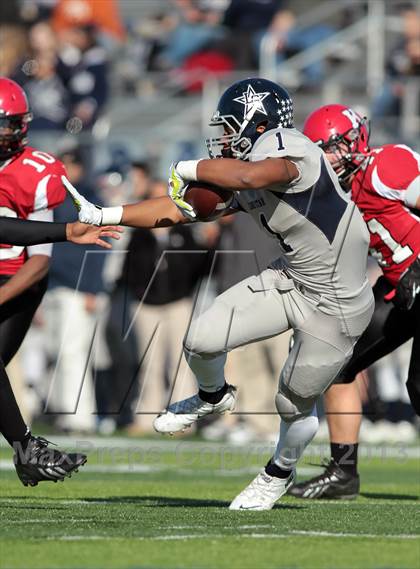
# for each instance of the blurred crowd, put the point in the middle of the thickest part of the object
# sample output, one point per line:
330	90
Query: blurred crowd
72	56
403	64
105	350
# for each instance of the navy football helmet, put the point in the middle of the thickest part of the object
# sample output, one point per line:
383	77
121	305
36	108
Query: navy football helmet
243	107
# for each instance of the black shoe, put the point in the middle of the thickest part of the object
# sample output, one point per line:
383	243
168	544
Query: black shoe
334	482
38	462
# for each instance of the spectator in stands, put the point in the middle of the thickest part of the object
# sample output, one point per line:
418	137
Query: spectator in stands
292	39
147	38
83	67
84	70
197	27
13	47
140	179
49	99
403	64
70	307
32	11
246	20
103	15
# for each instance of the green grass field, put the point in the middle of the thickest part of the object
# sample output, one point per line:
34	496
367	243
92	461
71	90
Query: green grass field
163	503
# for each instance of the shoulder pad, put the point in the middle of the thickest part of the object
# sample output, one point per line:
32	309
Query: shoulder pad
280	143
396	165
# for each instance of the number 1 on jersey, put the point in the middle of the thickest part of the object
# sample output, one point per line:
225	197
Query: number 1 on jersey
400	252
280	141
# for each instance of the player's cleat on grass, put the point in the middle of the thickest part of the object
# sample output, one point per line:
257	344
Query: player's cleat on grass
182	414
262	493
333	483
38	462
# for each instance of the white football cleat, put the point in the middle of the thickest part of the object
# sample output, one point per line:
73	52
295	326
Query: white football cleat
263	492
182	414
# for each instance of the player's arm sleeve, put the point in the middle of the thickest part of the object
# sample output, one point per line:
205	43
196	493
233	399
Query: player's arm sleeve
45	215
397	175
23	232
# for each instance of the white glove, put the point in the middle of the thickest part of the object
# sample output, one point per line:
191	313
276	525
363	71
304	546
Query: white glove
88	212
177	187
91	213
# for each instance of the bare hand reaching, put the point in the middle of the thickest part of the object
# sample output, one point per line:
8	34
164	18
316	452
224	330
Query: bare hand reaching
84	234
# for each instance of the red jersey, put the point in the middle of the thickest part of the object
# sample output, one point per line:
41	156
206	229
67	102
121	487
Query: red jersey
29	182
381	190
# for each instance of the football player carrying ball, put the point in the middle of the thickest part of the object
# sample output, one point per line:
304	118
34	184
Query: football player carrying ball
317	286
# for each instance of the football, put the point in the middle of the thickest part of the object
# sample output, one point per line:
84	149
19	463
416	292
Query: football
208	201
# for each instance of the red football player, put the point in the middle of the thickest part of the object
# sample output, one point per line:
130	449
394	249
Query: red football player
30	186
385	184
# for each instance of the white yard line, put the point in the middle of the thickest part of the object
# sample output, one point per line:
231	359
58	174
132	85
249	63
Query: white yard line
366	535
181	537
43	521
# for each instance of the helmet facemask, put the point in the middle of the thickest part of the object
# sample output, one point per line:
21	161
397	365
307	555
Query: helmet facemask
346	147
231	142
13	131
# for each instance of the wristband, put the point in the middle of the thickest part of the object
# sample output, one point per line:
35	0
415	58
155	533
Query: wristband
112	215
187	169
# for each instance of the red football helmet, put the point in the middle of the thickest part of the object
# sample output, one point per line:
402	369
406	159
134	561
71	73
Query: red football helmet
340	131
14	118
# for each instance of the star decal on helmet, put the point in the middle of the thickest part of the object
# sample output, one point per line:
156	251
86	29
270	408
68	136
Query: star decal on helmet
285	112
253	102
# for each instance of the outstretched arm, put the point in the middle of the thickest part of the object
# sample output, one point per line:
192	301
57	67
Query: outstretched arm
25	233
166	211
156	212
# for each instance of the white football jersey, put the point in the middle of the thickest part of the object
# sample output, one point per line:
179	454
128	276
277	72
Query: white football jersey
321	233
